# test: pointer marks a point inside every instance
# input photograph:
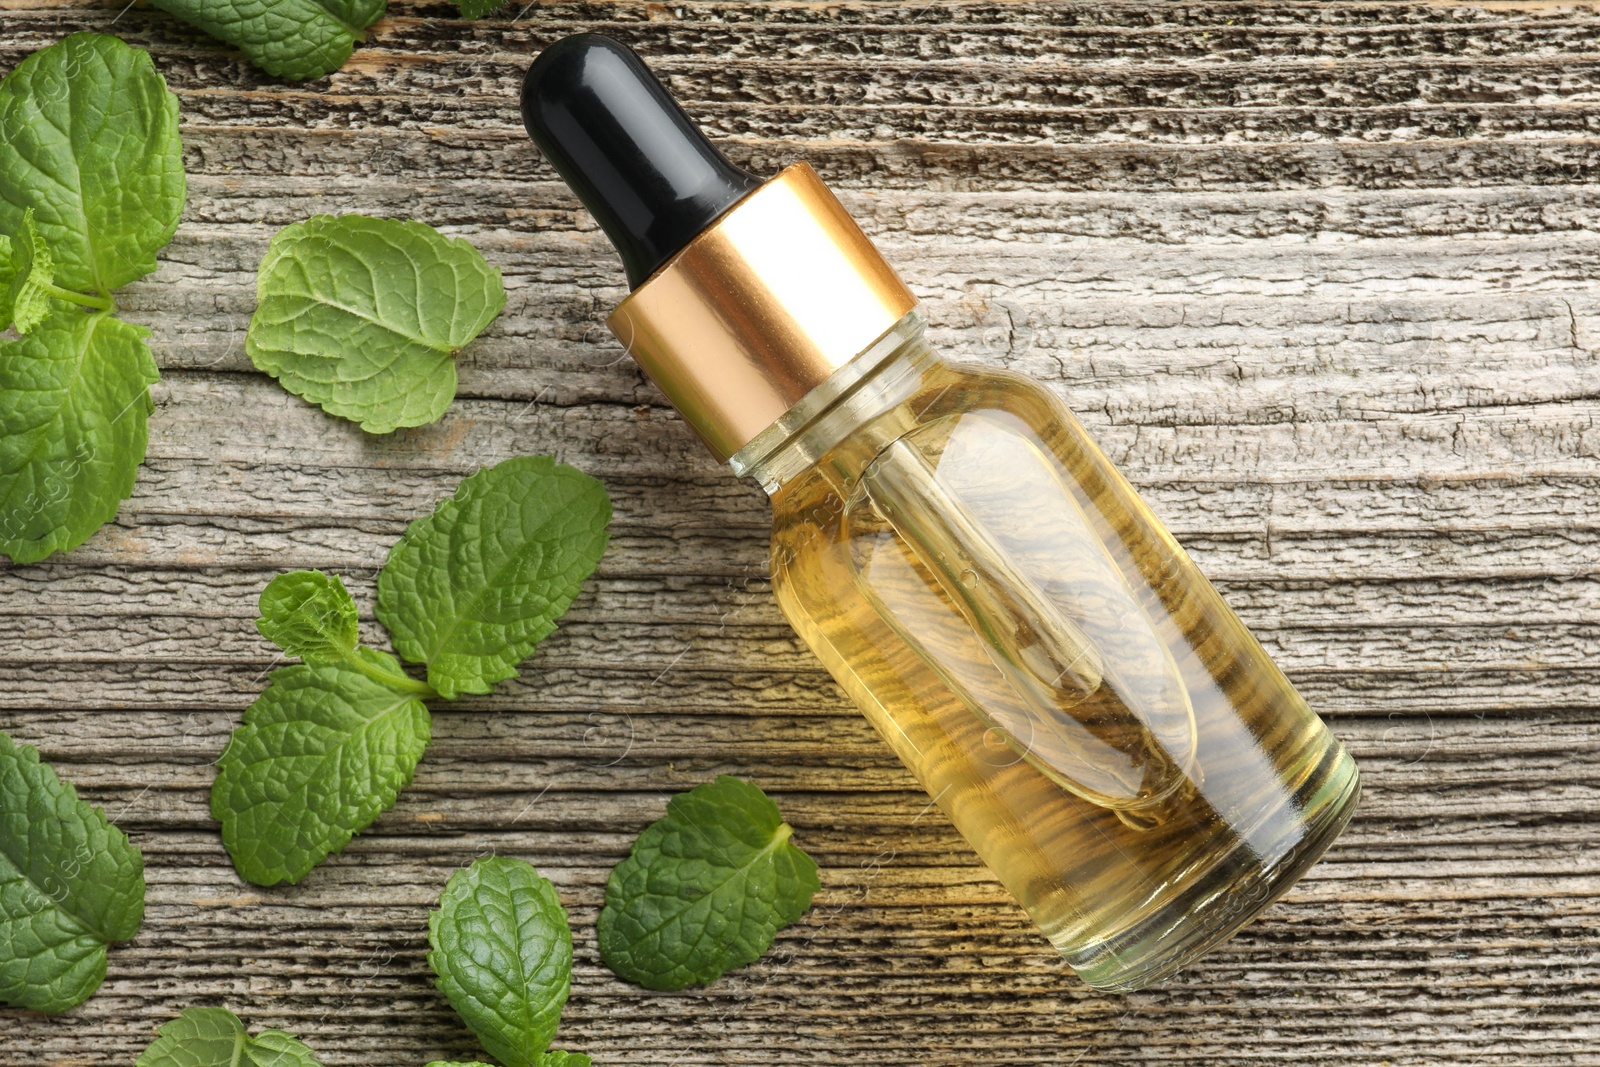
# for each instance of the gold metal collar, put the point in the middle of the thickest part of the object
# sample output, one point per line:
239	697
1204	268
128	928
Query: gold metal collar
760	309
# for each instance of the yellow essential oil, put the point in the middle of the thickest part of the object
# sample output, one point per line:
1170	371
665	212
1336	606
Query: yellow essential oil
1149	818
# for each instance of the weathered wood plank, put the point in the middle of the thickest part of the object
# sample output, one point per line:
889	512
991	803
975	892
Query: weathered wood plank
1318	276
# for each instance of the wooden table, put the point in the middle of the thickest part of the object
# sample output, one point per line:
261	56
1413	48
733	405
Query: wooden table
1319	276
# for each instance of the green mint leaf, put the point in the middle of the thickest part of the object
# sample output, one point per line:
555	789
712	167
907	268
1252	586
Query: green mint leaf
476	9
27	275
91	188
502	951
89	140
705	889
309	614
72	430
214	1037
290	39
469	590
322	753
70	883
472	588
364	316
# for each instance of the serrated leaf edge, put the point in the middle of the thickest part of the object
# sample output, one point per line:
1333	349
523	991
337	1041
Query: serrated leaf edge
228	817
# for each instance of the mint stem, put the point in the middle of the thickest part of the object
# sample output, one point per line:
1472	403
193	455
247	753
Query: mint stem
403	682
99	303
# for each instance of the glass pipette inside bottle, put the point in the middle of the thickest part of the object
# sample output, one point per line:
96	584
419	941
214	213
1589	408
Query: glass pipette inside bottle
1124	747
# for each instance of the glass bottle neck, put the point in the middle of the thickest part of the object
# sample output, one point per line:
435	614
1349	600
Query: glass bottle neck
881	378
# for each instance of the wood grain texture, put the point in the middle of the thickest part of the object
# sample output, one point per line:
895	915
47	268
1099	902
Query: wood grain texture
1319	276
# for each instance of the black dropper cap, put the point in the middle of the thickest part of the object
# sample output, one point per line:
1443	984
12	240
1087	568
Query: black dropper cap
638	163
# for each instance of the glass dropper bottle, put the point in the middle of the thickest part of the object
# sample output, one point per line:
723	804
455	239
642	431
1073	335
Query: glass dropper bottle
988	589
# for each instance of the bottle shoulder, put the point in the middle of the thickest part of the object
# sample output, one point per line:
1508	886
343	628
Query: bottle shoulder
987	411
962	387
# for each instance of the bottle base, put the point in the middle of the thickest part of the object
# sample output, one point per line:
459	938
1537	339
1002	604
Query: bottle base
1216	905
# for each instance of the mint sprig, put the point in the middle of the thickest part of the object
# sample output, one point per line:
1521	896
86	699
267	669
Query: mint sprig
330	744
290	39
364	316
502	953
215	1037
705	889
70	884
91	187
